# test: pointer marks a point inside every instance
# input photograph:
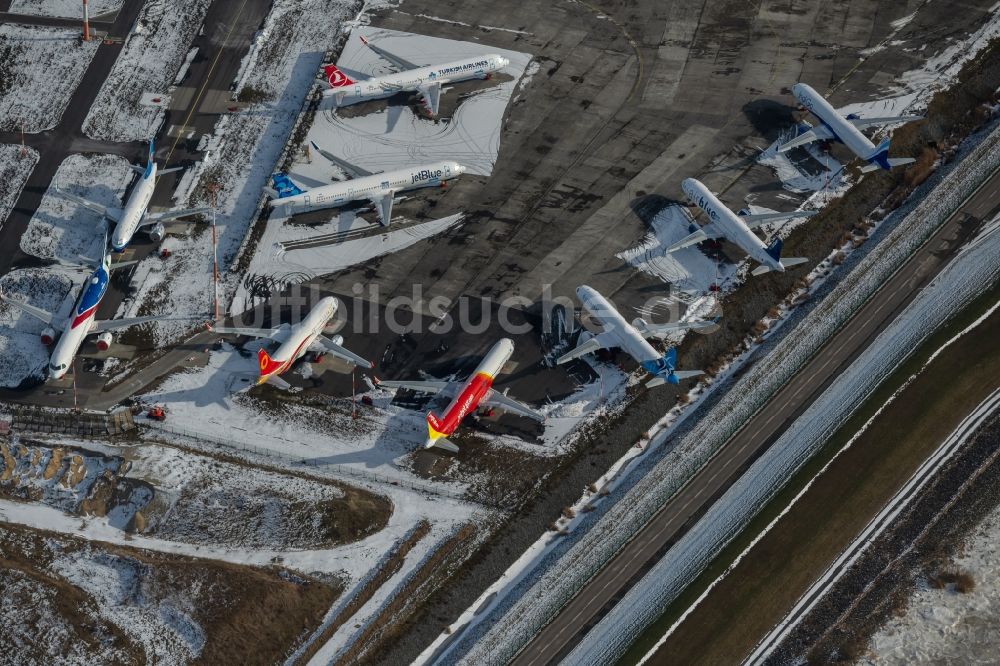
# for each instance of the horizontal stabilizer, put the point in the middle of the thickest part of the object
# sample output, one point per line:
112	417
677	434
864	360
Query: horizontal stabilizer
170	170
442	443
278	382
686	374
788	262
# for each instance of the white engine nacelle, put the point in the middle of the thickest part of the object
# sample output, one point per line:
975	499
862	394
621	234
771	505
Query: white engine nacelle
639	323
104	341
337	339
157	232
48	336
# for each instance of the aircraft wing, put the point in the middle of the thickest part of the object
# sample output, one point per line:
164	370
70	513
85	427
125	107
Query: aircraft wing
38	313
351	170
113	214
414	385
394	59
431	95
864	123
648	330
604	340
154	218
340	352
700	236
383	206
820	133
114	324
249	332
754	221
500	401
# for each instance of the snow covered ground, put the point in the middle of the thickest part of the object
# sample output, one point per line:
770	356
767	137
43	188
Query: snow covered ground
147	65
381	142
15	168
46	65
240	158
66	231
944	626
22	354
64	8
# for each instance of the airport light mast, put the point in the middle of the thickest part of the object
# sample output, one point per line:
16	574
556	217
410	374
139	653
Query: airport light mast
86	22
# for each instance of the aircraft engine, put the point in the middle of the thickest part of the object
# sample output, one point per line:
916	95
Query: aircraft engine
104	341
157	232
337	339
639	323
48	336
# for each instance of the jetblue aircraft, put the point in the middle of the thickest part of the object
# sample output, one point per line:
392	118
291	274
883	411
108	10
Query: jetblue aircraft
426	81
134	215
736	228
846	130
616	332
82	321
378	188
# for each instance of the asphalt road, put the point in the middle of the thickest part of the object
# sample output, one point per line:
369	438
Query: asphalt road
602	592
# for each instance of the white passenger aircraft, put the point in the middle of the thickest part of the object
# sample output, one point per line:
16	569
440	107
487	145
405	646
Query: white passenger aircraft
134	215
82	321
632	338
736	228
378	188
295	341
846	130
426	81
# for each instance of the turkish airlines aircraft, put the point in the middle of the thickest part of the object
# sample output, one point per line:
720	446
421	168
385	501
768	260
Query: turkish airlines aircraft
724	223
846	130
82	321
378	188
135	215
469	395
632	338
296	341
426	81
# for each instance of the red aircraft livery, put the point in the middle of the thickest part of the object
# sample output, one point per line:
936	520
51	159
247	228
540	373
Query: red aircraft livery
475	391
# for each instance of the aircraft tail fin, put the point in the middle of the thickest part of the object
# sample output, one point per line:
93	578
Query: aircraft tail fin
436	437
880	158
774	249
268	365
336	78
284	187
